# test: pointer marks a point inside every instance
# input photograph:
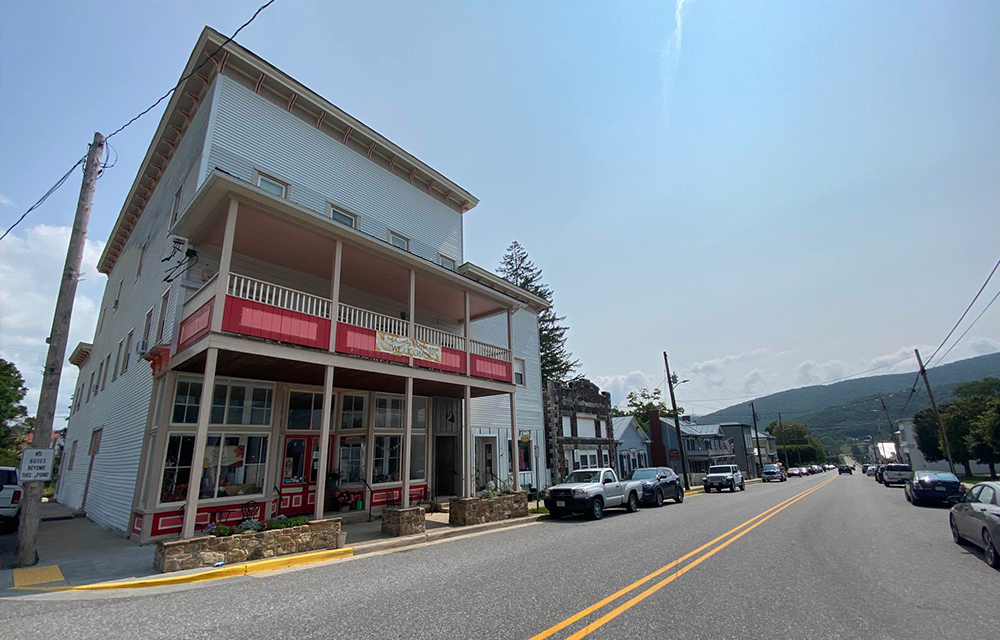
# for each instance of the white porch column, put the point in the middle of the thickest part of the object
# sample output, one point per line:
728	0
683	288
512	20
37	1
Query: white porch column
407	435
225	265
335	294
200	438
515	462
468	338
160	434
411	309
470	485
324	442
143	470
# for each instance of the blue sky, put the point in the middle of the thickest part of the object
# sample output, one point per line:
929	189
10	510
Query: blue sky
780	194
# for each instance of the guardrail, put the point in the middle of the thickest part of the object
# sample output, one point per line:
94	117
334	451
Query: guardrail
489	351
372	320
248	288
438	337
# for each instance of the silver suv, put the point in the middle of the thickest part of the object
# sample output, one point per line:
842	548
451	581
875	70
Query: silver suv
722	476
896	474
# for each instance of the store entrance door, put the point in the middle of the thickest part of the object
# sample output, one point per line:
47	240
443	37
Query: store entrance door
300	473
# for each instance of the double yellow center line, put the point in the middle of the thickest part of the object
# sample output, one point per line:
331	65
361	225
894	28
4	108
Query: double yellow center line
730	537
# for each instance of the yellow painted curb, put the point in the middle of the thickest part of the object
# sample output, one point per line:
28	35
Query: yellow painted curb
231	571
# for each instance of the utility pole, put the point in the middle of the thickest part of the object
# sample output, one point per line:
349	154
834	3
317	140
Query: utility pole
760	460
49	395
892	432
937	414
677	424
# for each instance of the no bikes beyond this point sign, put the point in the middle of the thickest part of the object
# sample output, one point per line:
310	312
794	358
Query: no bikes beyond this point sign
36	465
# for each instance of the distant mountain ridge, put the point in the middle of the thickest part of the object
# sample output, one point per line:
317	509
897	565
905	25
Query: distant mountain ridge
851	408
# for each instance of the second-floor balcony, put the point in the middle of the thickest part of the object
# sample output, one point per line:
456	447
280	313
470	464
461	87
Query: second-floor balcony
391	306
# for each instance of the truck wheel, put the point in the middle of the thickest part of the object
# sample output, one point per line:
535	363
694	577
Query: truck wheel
732	486
633	503
743	485
658	498
596	509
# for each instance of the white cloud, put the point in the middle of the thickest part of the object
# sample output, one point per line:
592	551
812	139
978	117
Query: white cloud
619	385
718	364
980	345
31	267
670	57
754	382
7	202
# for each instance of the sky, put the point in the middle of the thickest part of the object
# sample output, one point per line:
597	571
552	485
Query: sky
775	193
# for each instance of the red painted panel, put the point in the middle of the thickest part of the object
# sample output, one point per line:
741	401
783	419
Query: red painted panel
452	360
196	325
170	522
361	342
272	323
483	367
137	523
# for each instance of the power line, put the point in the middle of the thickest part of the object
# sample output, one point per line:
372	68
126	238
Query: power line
45	197
193	71
969	327
929	360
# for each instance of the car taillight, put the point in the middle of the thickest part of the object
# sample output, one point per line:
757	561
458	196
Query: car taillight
16	498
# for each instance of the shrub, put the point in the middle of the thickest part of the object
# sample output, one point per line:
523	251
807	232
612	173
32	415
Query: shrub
250	525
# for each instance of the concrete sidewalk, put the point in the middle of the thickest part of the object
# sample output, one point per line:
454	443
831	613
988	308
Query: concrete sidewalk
73	551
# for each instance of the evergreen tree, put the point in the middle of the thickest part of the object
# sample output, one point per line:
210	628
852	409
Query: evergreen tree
516	268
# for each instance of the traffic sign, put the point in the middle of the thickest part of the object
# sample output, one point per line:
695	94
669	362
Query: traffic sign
36	465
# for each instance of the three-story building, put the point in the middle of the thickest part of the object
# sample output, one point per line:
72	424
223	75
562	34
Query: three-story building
315	337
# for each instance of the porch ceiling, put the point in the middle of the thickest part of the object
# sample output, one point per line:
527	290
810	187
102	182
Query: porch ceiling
266	237
256	367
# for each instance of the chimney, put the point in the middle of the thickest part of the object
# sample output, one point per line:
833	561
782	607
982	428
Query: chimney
658	452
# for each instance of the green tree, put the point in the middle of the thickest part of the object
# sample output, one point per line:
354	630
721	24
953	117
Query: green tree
557	362
984	435
641	402
13	414
957	418
928	435
796	444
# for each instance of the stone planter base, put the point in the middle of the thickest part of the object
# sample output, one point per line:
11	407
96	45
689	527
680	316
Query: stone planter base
403	522
466	511
205	551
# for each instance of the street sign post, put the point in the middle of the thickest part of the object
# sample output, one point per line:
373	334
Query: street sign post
675	455
36	465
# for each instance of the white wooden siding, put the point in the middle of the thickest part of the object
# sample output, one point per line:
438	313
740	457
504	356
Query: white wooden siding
251	133
121	408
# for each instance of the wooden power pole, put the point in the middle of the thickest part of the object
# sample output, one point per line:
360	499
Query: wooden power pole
937	414
760	460
49	395
677	424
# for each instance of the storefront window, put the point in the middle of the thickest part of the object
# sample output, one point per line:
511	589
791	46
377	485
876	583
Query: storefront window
352	459
186	402
386	463
352	414
234	466
176	468
302	410
419	414
295	460
219	403
235	403
524	455
418	457
388	412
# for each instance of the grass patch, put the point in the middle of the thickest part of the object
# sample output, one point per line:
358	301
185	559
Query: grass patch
541	510
971	480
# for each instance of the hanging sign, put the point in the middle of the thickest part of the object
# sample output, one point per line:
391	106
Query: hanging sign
403	346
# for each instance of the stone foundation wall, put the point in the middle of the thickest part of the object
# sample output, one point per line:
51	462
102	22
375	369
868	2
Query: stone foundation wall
403	522
205	551
466	511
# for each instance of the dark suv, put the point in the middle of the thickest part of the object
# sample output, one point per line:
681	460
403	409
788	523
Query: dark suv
659	483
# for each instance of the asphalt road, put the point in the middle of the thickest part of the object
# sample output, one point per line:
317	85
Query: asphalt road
850	558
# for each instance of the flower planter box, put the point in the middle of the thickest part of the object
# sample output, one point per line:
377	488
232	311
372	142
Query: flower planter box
466	511
206	551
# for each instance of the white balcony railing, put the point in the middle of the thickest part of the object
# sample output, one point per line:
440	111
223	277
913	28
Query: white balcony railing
489	350
371	320
438	337
255	290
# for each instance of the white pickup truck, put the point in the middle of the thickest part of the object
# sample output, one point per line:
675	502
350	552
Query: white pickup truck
591	491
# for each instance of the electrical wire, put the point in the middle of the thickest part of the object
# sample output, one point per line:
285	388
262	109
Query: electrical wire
193	71
964	313
967	329
45	197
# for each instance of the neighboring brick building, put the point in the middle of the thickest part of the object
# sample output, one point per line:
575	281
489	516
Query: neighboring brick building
577	427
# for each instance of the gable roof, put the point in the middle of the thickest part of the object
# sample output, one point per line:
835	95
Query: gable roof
622	424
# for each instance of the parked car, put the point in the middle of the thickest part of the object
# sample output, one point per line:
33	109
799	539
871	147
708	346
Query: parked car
591	491
815	468
864	469
878	473
842	469
10	497
932	486
870	471
829	467
774	472
794	472
896	474
659	483
976	518
724	475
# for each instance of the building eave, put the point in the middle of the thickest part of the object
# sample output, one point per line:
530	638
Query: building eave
494	281
81	354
